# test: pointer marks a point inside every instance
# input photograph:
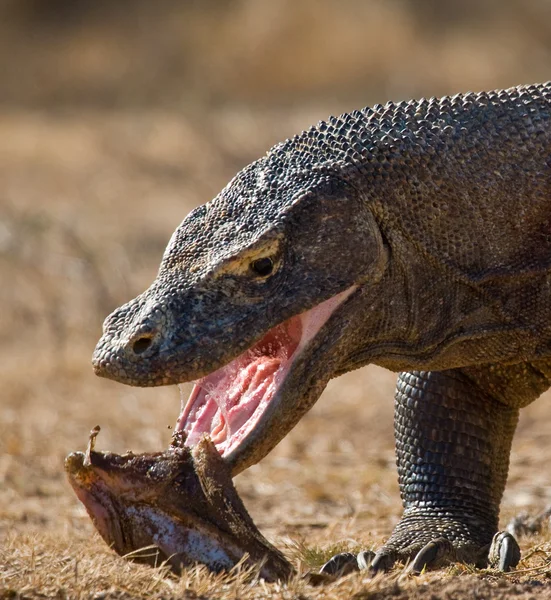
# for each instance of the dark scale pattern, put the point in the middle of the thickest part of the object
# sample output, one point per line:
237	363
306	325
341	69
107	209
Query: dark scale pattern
435	215
452	446
455	181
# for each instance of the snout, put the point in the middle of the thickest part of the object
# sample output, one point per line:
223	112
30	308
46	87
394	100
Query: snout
133	335
162	338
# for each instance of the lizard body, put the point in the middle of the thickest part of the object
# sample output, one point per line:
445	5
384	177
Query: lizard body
416	236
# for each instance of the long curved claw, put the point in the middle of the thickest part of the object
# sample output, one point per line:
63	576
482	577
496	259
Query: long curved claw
504	552
383	561
434	554
365	558
346	562
340	565
524	524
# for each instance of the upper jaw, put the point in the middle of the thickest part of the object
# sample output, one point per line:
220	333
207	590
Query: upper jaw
285	397
297	382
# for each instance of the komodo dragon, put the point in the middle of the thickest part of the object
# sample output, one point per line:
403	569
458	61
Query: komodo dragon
415	236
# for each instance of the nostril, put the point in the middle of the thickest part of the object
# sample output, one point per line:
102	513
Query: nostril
141	345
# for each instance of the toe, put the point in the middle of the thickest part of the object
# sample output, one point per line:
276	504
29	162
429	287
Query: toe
365	558
383	560
524	524
504	552
340	564
436	553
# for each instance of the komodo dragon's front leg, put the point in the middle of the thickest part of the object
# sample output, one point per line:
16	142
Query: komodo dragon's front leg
453	434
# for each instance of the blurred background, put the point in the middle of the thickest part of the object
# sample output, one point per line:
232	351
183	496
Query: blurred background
258	54
116	119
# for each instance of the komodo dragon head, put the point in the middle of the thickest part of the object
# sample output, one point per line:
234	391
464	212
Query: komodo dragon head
255	299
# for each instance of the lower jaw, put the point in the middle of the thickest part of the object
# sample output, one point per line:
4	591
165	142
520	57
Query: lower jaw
231	402
227	406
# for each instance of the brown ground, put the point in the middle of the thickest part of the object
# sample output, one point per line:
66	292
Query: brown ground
89	195
90	202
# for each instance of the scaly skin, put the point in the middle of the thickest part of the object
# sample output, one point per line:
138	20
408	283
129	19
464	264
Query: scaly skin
436	217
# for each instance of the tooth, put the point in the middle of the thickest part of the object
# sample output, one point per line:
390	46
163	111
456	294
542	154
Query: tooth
91	443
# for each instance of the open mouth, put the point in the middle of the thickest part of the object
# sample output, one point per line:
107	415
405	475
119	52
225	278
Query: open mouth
230	402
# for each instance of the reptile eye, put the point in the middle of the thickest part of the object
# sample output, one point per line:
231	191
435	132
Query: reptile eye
262	266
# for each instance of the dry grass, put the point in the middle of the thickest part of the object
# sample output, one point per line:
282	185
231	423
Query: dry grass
265	52
86	212
88	200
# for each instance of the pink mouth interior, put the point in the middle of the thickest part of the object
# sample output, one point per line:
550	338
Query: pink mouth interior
228	403
105	524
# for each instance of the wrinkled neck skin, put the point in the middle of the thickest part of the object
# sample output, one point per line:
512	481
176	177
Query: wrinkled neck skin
384	235
342	292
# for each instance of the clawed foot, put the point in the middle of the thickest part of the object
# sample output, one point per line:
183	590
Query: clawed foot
502	554
346	562
524	524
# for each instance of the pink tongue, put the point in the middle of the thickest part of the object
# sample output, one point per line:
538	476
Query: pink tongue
245	392
229	402
232	394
